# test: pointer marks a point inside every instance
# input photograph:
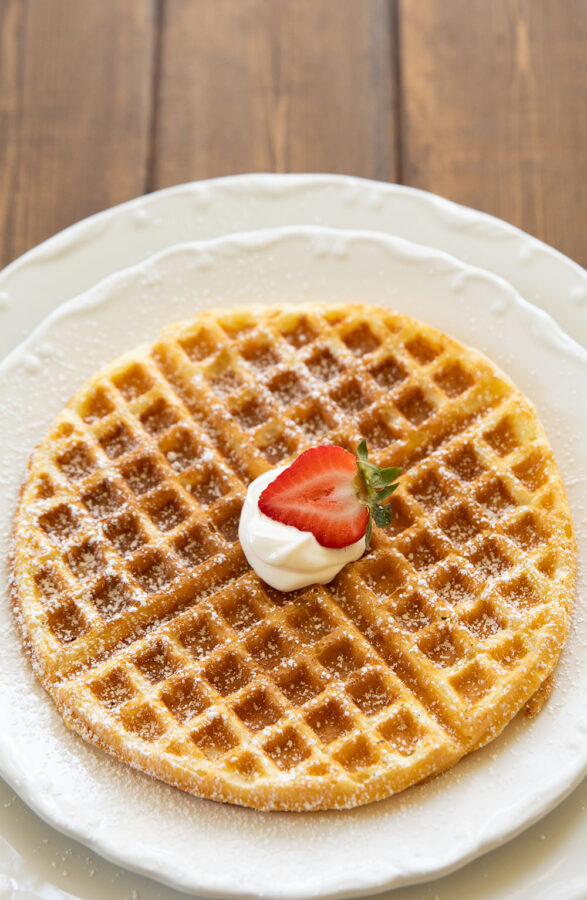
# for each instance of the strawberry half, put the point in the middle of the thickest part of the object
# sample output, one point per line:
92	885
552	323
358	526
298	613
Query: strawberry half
333	494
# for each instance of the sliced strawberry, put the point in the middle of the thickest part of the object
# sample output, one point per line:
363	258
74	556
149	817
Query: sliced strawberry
331	493
316	494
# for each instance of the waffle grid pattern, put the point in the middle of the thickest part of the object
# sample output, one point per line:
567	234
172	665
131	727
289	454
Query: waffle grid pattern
158	641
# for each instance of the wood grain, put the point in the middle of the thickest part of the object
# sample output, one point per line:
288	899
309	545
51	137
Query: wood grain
493	110
75	107
254	85
479	100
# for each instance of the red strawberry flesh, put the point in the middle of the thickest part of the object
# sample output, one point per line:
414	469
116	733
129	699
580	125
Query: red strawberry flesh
317	493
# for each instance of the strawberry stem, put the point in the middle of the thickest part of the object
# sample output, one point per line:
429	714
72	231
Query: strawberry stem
374	485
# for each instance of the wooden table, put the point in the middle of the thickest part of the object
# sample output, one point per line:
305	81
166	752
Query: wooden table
482	101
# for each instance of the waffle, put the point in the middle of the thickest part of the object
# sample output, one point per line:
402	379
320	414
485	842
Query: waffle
157	641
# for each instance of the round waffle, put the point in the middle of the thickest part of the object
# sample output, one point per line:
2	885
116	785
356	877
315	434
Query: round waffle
160	644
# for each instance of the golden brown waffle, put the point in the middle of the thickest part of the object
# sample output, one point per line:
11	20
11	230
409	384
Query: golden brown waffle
158	642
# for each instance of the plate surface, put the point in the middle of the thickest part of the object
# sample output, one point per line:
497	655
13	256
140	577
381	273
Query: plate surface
429	829
77	258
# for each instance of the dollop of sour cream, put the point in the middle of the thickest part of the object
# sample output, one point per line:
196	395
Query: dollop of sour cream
283	556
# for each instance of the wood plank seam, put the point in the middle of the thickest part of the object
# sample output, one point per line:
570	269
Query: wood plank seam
397	87
154	100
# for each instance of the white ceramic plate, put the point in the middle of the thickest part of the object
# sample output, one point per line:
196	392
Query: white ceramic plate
77	258
221	850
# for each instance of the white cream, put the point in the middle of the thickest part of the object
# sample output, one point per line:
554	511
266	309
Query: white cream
283	556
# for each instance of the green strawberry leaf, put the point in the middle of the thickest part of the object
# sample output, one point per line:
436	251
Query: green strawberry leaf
386	492
389	475
374	485
382	516
362	450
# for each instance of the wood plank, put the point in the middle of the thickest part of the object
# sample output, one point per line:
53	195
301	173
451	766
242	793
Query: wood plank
493	102
255	85
75	100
